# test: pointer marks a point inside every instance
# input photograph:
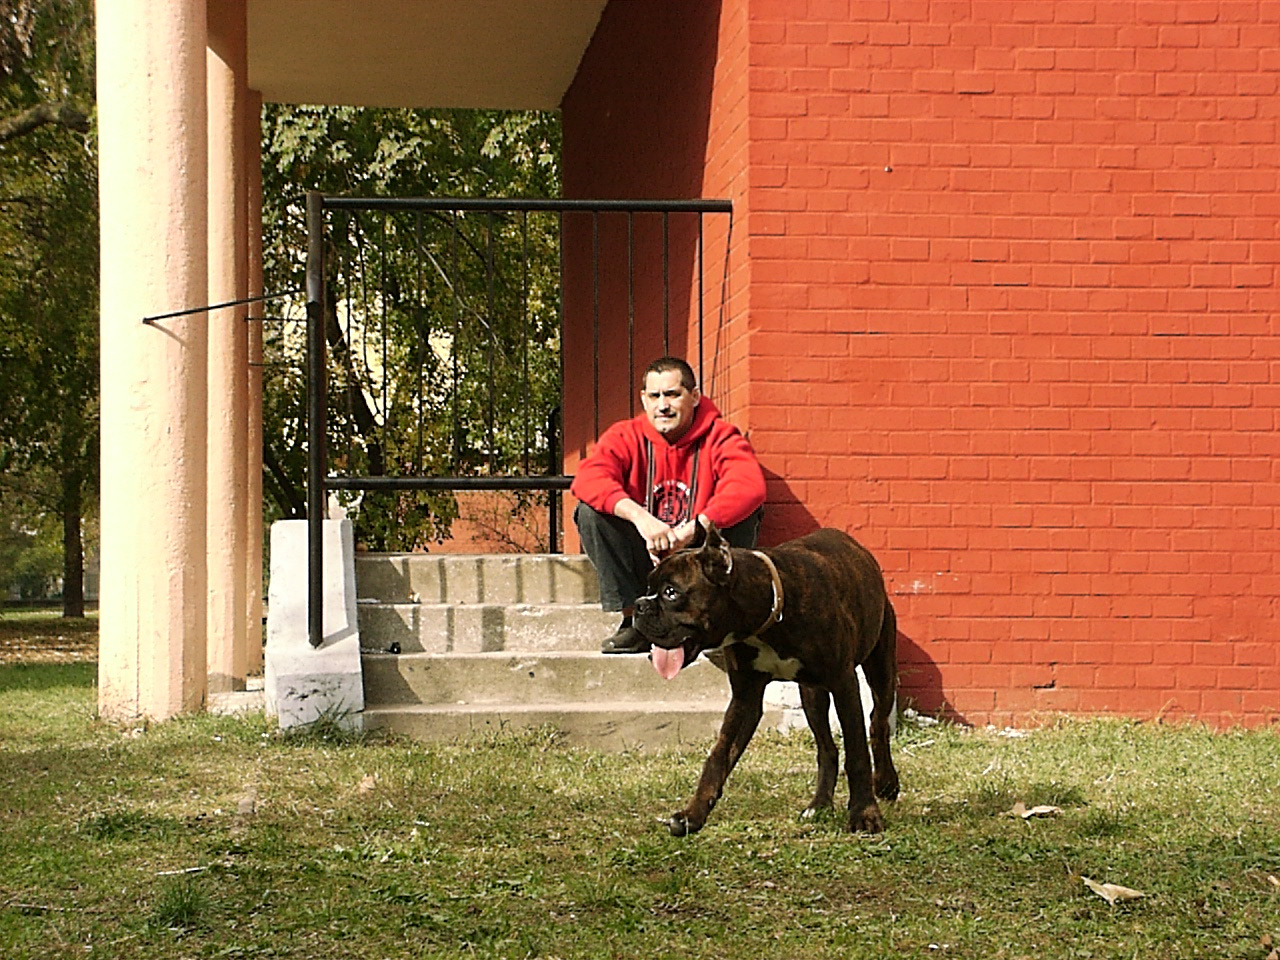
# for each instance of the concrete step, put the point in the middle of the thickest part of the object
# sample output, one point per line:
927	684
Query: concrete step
478	579
478	628
598	724
528	679
510	642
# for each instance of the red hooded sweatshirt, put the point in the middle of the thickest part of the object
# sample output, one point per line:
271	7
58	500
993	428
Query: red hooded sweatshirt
728	485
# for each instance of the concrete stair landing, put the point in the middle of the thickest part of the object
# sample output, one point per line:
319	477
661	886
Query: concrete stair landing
491	643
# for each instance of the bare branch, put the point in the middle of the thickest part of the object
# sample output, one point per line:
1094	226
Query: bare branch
62	114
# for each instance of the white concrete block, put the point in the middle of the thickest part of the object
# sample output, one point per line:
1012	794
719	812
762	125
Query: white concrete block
786	697
305	683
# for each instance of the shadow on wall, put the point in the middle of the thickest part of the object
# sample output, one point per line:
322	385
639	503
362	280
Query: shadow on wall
920	683
636	123
920	680
785	517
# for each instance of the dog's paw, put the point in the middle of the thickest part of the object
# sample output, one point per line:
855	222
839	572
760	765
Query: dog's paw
866	820
823	819
816	811
886	786
681	826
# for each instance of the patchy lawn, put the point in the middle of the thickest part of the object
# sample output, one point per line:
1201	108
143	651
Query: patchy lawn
214	837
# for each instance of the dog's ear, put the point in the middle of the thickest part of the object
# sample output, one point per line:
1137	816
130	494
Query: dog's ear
700	532
715	556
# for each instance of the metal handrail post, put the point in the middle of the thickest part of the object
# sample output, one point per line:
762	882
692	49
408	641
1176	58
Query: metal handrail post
316	392
553	467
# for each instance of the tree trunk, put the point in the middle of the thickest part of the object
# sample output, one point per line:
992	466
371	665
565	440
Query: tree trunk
72	546
365	421
291	499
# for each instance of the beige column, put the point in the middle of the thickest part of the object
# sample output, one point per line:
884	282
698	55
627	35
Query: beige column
153	191
253	170
228	523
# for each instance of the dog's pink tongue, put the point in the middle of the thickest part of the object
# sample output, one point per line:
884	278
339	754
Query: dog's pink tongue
668	662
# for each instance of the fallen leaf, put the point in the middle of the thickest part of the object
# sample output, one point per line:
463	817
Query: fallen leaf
1020	809
367	784
1273	880
1266	940
1111	892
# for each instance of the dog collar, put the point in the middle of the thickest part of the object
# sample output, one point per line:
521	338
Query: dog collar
775	615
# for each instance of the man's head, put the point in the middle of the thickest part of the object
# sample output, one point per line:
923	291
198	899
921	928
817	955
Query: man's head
669	395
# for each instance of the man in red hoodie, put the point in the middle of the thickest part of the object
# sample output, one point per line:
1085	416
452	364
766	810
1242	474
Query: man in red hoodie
648	481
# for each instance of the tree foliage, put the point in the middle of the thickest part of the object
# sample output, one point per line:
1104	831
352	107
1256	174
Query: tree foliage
437	377
42	73
30	554
443	332
48	276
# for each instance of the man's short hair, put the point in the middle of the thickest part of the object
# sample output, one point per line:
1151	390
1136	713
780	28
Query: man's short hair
663	364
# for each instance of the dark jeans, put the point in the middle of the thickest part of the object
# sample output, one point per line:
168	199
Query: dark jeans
622	564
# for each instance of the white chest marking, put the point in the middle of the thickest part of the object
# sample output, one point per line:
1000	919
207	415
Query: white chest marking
768	661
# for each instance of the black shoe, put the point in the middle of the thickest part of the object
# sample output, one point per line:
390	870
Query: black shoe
627	640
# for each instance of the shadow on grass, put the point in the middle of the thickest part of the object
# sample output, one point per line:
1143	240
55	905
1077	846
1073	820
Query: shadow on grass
998	796
37	677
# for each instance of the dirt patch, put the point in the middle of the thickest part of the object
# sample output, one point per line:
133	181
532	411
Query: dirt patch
47	639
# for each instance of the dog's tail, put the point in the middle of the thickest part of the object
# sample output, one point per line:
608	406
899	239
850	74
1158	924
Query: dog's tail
888	642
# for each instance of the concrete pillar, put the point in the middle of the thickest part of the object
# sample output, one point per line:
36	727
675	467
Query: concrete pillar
253	169
153	195
228	347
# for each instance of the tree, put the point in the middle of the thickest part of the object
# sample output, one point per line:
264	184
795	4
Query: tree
49	271
30	547
22	33
463	352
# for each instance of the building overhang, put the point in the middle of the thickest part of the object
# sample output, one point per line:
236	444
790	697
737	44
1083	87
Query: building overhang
492	54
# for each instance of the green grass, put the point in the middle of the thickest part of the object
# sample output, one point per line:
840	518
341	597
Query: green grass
40	619
211	837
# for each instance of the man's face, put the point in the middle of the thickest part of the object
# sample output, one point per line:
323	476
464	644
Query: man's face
668	403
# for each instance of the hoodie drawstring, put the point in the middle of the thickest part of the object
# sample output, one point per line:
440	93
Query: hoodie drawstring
651	473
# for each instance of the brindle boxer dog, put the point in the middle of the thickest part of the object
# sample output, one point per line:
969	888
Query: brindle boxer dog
810	610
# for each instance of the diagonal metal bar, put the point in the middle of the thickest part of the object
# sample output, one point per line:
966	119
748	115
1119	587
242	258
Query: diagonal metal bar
218	306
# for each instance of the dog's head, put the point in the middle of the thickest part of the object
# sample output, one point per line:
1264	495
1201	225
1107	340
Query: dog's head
685	610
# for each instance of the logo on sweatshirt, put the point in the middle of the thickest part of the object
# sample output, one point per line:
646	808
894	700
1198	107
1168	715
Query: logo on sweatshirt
671	501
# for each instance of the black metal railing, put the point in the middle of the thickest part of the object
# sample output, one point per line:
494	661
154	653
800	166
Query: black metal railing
435	364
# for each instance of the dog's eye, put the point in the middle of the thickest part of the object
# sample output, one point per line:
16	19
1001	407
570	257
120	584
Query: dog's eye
670	593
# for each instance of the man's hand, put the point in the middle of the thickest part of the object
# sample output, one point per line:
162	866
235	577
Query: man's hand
659	537
685	533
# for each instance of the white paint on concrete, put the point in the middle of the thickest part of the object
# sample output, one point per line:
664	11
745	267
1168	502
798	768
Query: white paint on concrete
305	683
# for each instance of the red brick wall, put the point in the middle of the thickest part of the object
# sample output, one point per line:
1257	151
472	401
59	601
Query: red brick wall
1013	324
1002	303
